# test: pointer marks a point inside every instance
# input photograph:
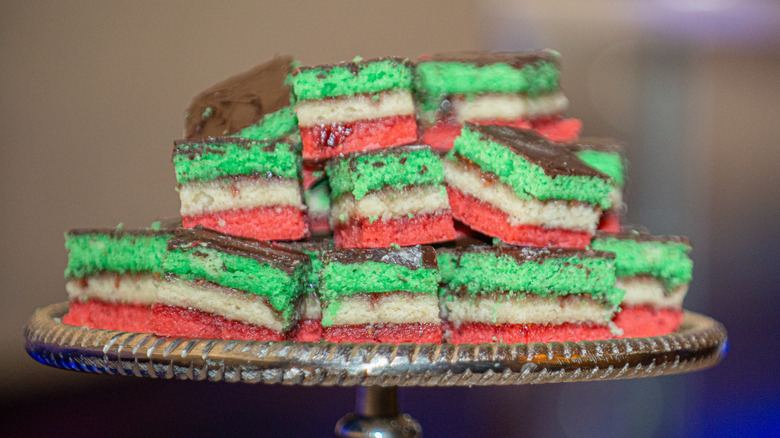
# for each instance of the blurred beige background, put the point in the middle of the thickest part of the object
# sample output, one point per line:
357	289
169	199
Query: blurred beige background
93	96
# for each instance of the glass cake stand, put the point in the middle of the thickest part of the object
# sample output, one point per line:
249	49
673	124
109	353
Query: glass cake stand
377	369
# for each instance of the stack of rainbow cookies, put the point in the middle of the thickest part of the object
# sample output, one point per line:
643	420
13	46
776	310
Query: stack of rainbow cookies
388	200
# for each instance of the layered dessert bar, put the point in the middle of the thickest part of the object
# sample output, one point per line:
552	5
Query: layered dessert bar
380	295
655	272
516	89
111	276
389	196
309	327
255	104
218	286
607	156
516	186
524	294
354	106
317	200
241	187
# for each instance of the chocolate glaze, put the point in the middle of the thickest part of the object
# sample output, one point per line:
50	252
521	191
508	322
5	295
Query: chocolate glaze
395	150
641	235
190	239
239	101
526	254
412	257
195	148
596	144
315	244
550	157
168	226
516	60
354	67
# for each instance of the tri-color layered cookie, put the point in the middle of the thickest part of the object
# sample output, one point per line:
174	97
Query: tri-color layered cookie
380	295
255	104
514	185
218	286
317	200
524	294
607	156
391	196
354	106
309	327
516	89
655	272
241	187
111	276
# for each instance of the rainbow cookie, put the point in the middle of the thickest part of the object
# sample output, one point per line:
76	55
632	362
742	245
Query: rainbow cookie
354	106
245	188
217	286
607	156
111	277
655	272
516	89
391	196
524	294
380	295
514	185
255	104
317	200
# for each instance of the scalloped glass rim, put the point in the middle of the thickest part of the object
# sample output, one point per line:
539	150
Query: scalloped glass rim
700	343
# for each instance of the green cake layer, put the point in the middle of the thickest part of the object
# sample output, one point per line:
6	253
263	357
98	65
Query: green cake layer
662	257
317	198
610	163
541	271
218	157
279	274
313	247
94	251
531	166
395	168
271	126
378	270
351	78
434	79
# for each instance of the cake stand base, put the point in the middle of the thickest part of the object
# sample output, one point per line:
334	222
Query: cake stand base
377	415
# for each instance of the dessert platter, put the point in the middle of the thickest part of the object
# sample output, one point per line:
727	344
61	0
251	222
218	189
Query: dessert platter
384	223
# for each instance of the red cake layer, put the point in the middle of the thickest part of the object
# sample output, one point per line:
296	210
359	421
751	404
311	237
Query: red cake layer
99	314
417	333
644	321
493	222
441	134
266	223
190	323
307	330
420	229
610	222
325	141
480	332
320	225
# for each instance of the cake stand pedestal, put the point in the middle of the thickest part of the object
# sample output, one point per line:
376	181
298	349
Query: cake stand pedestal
377	369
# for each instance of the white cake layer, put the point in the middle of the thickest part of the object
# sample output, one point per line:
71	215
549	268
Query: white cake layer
238	193
644	290
114	288
229	303
354	108
498	308
311	307
391	203
507	106
616	199
576	216
391	308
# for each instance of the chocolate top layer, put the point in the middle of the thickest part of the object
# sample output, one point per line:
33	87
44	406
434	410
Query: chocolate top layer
353	66
197	147
285	259
641	236
315	244
554	159
413	257
596	144
527	254
513	59
165	227
395	150
239	101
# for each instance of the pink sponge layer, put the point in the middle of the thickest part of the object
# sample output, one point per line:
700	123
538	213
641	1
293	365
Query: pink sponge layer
267	223
645	321
420	229
417	333
479	332
190	323
326	141
307	330
441	134
99	314
487	219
